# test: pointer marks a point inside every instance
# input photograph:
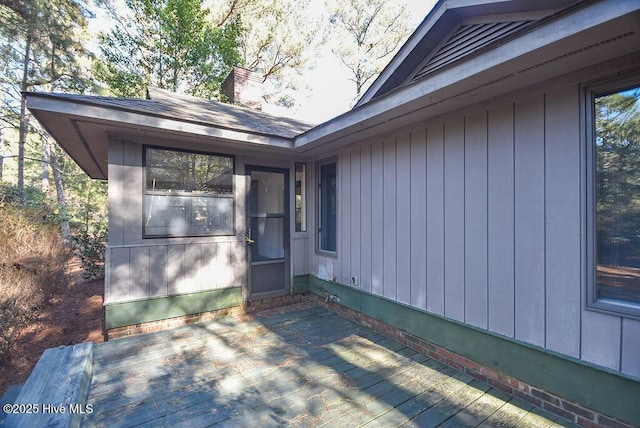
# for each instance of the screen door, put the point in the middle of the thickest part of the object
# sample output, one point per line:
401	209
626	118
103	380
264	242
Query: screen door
267	232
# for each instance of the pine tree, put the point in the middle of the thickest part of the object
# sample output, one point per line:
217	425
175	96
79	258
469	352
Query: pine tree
41	50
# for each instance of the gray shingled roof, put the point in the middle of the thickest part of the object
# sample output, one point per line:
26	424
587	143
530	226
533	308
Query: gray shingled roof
196	110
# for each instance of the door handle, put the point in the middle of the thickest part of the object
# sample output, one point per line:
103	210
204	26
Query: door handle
248	240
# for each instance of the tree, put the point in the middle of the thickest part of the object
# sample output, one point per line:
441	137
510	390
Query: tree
40	49
366	33
170	44
617	132
190	45
279	39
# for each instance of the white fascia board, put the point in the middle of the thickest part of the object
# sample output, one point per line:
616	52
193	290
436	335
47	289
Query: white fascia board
380	109
115	116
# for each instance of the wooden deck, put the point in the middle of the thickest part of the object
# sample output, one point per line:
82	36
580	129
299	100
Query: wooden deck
303	366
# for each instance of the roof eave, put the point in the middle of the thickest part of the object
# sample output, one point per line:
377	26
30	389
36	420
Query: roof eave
541	54
445	15
63	119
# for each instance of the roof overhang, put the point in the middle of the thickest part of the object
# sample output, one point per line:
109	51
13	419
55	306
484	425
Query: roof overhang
84	131
445	16
577	38
580	37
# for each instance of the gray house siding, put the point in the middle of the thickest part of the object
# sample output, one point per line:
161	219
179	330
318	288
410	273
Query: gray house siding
138	268
478	216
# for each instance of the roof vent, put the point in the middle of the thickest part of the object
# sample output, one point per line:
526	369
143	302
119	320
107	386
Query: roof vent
468	39
243	87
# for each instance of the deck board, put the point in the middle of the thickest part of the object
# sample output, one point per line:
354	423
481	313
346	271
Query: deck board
305	366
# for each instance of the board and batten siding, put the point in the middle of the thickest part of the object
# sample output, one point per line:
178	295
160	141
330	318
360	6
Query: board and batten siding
477	217
137	268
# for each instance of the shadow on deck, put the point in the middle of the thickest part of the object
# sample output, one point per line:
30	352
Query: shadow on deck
301	366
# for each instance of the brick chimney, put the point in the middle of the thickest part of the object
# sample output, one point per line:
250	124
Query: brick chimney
244	87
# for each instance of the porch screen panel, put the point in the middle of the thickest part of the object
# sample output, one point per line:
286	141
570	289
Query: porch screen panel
187	194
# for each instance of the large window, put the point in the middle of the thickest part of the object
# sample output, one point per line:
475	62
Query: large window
187	194
327	207
615	285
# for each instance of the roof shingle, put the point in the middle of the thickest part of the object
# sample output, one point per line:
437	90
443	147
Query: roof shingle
197	110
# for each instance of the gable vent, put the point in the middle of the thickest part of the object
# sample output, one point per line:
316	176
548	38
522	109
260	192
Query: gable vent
468	39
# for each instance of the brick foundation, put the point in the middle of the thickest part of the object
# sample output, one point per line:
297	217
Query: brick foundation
276	302
164	324
250	307
558	406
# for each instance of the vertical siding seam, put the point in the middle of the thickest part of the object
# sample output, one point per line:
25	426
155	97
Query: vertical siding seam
513	212
621	343
410	229
121	197
148	271
382	278
371	226
410	249
444	220
395	172
359	214
581	224
350	265
426	224
489	212
464	219
129	273
165	271
359	285
488	288
123	182
352	250
544	185
368	213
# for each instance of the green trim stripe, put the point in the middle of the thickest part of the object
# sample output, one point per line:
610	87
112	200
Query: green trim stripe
300	284
594	387
130	313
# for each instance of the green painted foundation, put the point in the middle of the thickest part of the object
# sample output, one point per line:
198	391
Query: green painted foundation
594	387
131	313
300	284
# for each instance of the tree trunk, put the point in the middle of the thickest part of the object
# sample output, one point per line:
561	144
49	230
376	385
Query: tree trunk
62	200
24	119
45	165
1	156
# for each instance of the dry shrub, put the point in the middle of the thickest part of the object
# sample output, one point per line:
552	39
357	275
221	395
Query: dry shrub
33	262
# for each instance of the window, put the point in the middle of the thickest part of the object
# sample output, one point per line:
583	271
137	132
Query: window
301	197
615	284
327	207
187	194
